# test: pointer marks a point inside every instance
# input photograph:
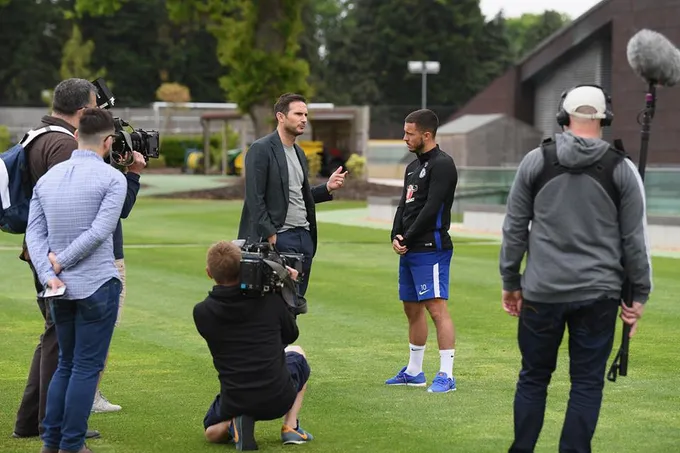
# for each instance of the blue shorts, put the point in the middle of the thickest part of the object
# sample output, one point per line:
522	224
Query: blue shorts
424	275
299	370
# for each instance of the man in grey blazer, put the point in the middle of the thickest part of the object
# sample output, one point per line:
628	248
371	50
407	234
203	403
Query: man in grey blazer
279	204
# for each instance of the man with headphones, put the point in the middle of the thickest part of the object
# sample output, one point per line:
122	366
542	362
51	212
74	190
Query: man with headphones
585	202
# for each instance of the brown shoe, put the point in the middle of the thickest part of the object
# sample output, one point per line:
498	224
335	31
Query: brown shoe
48	450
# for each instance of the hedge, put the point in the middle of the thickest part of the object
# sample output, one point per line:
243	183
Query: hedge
174	147
5	139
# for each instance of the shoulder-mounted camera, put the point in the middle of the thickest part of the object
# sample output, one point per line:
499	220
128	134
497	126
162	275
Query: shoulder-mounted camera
263	271
126	138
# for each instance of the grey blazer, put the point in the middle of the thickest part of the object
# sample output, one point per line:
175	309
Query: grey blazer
266	195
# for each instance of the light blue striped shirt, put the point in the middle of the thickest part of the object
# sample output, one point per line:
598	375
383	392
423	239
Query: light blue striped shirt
74	211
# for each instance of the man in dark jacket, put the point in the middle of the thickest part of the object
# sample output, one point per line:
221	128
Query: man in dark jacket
580	237
70	98
420	235
279	201
259	379
132	175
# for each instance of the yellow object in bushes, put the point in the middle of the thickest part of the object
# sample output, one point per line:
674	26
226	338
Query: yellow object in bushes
195	160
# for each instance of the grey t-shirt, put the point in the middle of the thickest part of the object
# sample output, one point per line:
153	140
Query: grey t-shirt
297	212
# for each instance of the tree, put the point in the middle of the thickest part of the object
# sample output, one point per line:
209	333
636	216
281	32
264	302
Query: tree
256	43
135	25
30	61
172	93
319	18
76	58
369	51
529	30
494	51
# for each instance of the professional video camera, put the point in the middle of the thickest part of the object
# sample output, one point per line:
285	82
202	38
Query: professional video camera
147	143
263	270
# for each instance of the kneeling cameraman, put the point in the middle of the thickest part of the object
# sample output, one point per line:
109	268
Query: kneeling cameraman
259	379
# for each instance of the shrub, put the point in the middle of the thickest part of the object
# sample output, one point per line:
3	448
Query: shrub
356	165
314	164
5	139
174	147
173	92
157	163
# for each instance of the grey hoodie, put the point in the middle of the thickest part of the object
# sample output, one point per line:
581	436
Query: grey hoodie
577	240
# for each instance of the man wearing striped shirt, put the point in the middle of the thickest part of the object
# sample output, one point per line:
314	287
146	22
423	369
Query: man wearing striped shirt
74	211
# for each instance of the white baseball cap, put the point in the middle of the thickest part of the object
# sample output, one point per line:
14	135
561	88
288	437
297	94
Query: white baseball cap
586	96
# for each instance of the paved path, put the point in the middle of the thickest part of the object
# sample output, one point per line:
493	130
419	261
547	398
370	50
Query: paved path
159	184
361	217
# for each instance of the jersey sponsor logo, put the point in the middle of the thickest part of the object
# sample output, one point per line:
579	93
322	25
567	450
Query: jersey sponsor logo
410	191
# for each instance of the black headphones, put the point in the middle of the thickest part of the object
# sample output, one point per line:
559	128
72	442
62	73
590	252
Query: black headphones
563	116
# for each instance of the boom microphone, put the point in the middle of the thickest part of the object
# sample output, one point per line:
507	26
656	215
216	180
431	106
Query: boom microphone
654	58
656	61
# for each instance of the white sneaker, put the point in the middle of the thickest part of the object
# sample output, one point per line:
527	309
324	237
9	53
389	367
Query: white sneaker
101	404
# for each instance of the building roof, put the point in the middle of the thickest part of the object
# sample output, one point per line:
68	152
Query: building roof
467	123
550	51
577	32
565	29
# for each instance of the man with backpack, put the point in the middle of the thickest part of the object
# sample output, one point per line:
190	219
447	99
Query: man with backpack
585	201
51	147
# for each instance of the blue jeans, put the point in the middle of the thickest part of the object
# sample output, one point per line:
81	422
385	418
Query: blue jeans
298	240
84	330
591	334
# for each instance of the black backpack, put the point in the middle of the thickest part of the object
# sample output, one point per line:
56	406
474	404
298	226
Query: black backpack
601	171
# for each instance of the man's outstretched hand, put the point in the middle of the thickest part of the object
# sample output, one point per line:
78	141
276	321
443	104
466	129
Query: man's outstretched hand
336	180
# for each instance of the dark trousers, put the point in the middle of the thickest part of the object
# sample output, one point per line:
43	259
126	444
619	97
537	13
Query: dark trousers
45	358
84	328
591	334
298	240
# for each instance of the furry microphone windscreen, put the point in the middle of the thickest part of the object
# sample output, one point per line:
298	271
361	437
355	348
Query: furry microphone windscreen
654	58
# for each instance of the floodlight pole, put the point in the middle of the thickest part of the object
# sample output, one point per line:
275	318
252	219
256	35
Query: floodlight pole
424	68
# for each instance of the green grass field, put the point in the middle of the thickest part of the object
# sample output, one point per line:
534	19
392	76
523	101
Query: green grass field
355	336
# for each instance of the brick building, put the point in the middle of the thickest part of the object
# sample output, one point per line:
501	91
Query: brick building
592	49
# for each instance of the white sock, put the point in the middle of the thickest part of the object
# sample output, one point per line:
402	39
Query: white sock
446	361
415	361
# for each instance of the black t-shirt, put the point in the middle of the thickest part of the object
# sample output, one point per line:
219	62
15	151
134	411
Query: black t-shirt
246	337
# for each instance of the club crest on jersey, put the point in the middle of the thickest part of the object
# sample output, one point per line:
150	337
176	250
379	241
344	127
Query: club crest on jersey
422	173
410	190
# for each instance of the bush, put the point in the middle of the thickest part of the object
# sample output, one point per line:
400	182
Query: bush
157	163
314	164
174	147
173	92
5	139
356	165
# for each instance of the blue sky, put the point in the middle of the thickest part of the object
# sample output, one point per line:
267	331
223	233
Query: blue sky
514	8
